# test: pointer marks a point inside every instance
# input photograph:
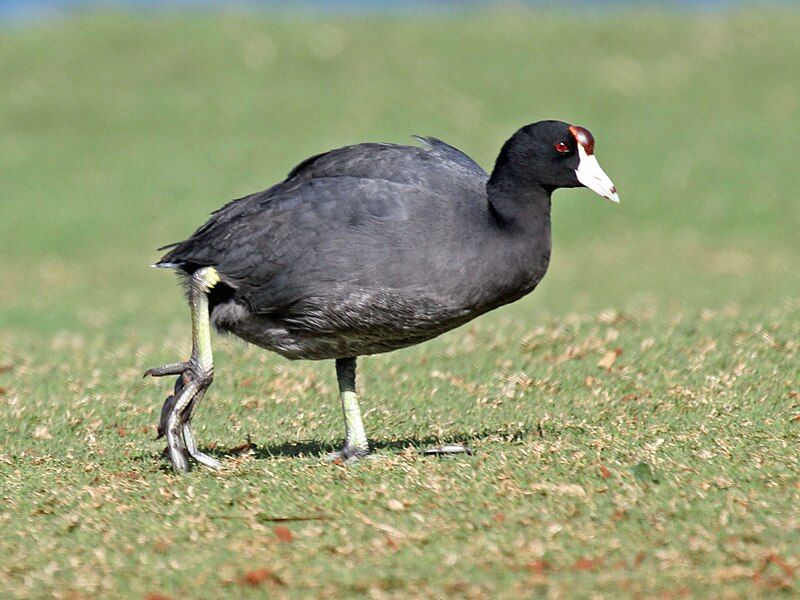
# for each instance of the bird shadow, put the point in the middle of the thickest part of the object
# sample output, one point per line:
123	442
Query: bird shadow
314	448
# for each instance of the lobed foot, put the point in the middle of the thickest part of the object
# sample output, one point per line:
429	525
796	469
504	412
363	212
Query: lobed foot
349	454
176	414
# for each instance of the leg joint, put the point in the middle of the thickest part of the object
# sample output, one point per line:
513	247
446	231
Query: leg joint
204	279
204	376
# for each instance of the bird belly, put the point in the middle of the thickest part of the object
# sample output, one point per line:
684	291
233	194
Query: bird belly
318	330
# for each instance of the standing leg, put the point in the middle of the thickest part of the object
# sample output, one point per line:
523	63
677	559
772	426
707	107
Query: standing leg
195	376
355	445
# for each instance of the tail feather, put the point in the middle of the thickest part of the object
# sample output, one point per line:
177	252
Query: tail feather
172	245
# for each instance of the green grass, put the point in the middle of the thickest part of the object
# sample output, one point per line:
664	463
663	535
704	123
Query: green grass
672	473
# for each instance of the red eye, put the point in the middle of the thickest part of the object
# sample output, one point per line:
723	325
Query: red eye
562	148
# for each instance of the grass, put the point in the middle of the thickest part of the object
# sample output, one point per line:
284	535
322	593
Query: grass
669	469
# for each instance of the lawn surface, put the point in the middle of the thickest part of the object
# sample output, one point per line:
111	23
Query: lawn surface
635	421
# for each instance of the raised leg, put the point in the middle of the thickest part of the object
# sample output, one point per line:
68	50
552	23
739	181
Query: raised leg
195	376
355	444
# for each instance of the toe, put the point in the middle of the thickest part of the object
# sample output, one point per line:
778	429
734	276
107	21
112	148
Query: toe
207	461
179	462
447	449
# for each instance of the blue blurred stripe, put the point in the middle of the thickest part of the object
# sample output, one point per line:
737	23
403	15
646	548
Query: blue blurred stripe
44	8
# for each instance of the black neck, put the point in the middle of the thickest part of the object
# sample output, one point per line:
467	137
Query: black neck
516	252
514	206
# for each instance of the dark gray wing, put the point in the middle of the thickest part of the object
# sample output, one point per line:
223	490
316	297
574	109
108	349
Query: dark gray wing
452	154
353	217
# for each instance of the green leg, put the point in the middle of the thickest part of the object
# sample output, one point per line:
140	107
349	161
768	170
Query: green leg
198	373
356	445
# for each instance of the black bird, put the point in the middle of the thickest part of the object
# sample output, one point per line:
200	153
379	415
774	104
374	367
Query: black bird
370	248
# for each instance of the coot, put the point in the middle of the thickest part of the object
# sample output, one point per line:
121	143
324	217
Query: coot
366	249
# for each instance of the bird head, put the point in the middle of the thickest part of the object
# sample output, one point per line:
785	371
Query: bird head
554	154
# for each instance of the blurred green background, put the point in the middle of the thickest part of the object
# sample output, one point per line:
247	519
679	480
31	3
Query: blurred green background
634	420
120	133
